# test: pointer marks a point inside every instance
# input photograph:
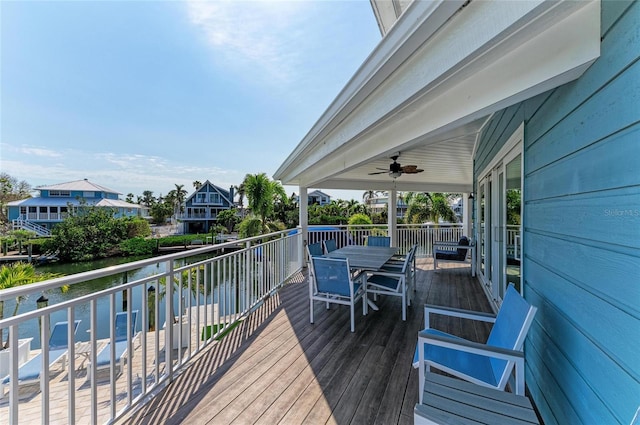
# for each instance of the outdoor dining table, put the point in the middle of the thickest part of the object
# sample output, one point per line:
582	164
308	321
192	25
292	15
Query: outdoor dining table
368	258
364	257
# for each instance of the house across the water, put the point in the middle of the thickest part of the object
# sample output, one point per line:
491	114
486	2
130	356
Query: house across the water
203	206
40	213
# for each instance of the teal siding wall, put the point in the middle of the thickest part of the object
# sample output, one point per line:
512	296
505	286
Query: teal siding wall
581	240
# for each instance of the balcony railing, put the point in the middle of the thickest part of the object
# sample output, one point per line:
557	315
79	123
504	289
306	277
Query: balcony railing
204	293
424	235
197	216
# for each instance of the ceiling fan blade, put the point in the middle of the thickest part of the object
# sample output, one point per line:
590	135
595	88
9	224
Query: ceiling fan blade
411	169
379	172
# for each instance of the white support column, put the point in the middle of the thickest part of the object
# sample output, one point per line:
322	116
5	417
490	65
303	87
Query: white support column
304	220
466	215
392	216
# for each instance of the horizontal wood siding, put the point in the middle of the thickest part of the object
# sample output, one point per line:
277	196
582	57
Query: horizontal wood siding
581	240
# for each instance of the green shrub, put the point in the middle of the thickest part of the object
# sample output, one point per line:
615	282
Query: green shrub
138	246
181	240
138	227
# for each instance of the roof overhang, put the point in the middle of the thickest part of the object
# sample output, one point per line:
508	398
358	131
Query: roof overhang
432	83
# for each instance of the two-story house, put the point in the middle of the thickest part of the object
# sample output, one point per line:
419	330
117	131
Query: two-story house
40	213
317	197
203	206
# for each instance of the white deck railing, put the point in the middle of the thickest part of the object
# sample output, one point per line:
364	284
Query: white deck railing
209	295
424	235
210	291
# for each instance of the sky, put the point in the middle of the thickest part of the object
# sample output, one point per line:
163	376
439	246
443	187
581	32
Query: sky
143	95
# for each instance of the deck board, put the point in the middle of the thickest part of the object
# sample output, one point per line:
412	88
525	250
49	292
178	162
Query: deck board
276	367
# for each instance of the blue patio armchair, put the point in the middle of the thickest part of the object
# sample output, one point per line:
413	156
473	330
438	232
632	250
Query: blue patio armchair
31	371
333	283
378	241
314	249
490	364
454	252
395	280
330	245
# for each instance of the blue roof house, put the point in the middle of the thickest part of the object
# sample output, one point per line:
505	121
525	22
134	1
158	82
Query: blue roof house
40	213
203	206
534	108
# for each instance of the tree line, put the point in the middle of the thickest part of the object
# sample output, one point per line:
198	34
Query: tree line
94	232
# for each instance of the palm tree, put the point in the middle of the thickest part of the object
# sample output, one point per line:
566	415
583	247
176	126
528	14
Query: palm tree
241	192
262	194
147	198
18	274
197	184
130	197
181	195
424	207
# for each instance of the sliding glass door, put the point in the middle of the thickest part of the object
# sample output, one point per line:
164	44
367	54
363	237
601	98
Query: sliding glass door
499	233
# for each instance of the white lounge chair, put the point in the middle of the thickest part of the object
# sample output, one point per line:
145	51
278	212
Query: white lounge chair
120	343
58	347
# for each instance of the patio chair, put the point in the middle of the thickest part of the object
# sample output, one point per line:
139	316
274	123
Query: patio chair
454	252
397	261
391	280
490	364
120	343
58	347
329	245
378	241
332	283
314	249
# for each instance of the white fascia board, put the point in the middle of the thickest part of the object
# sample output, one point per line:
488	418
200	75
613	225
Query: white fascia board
490	55
419	22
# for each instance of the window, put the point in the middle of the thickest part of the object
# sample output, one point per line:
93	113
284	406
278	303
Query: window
59	193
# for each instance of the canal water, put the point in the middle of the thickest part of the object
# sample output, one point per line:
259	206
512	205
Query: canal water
82	312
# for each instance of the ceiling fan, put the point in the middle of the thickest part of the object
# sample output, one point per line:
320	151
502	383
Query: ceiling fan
396	170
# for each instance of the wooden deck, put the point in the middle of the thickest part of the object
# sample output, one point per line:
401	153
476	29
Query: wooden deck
276	367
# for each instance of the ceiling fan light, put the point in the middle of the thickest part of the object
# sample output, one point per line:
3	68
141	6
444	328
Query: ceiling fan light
395	174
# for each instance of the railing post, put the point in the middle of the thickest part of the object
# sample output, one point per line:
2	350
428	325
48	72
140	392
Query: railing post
169	318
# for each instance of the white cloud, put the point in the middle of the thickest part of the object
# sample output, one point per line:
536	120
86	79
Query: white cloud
259	32
121	172
30	150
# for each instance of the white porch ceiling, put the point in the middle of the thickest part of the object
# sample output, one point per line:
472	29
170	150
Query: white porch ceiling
432	83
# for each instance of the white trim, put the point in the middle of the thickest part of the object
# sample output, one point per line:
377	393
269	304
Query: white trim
513	147
423	82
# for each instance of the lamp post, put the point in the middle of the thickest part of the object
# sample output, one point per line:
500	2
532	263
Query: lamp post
41	302
151	307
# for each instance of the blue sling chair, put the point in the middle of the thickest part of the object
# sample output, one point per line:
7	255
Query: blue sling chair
378	241
332	283
330	245
31	371
490	364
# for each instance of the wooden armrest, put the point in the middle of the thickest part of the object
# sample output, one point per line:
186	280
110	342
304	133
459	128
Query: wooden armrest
457	312
470	346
